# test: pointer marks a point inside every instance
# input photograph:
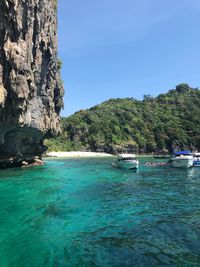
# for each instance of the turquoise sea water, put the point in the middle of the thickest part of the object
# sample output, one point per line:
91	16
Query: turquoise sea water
84	212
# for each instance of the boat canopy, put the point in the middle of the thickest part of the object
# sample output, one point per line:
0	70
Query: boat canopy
125	156
184	152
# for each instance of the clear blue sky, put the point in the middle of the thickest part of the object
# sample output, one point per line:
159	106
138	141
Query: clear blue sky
126	48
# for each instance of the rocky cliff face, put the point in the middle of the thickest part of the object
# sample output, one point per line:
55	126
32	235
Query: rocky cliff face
30	87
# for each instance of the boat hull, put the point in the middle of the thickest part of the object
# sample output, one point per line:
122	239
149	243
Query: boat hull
196	163
182	162
128	164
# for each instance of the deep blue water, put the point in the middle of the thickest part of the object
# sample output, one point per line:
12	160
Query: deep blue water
84	212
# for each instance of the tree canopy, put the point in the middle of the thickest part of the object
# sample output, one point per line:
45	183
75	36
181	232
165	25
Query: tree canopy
166	122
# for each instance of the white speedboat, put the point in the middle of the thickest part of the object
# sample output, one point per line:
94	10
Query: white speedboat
127	161
196	159
182	159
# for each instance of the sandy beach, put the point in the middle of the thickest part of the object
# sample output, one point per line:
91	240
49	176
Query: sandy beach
76	154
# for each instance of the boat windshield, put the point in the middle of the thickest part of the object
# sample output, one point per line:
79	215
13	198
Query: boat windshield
126	156
196	154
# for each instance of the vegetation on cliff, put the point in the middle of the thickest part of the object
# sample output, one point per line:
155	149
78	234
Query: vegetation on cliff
167	122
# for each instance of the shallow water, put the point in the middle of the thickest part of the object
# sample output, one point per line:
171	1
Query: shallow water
84	212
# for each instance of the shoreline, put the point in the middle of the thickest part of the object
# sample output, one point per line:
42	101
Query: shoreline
76	154
82	154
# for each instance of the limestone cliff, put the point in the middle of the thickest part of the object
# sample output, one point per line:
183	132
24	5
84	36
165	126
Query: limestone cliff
30	87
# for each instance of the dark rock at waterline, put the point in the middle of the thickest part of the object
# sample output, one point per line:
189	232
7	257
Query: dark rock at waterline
20	162
31	90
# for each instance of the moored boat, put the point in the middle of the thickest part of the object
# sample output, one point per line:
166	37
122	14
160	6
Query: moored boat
127	161
182	159
161	154
196	159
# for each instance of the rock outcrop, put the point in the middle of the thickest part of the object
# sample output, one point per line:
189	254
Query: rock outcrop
31	91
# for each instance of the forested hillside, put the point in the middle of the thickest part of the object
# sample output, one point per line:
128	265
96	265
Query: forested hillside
169	121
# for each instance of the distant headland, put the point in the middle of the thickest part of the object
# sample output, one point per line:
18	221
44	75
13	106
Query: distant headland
163	123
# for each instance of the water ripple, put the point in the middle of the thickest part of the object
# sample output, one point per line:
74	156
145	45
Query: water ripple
84	212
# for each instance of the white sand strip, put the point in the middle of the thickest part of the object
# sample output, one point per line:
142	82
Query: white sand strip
75	154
